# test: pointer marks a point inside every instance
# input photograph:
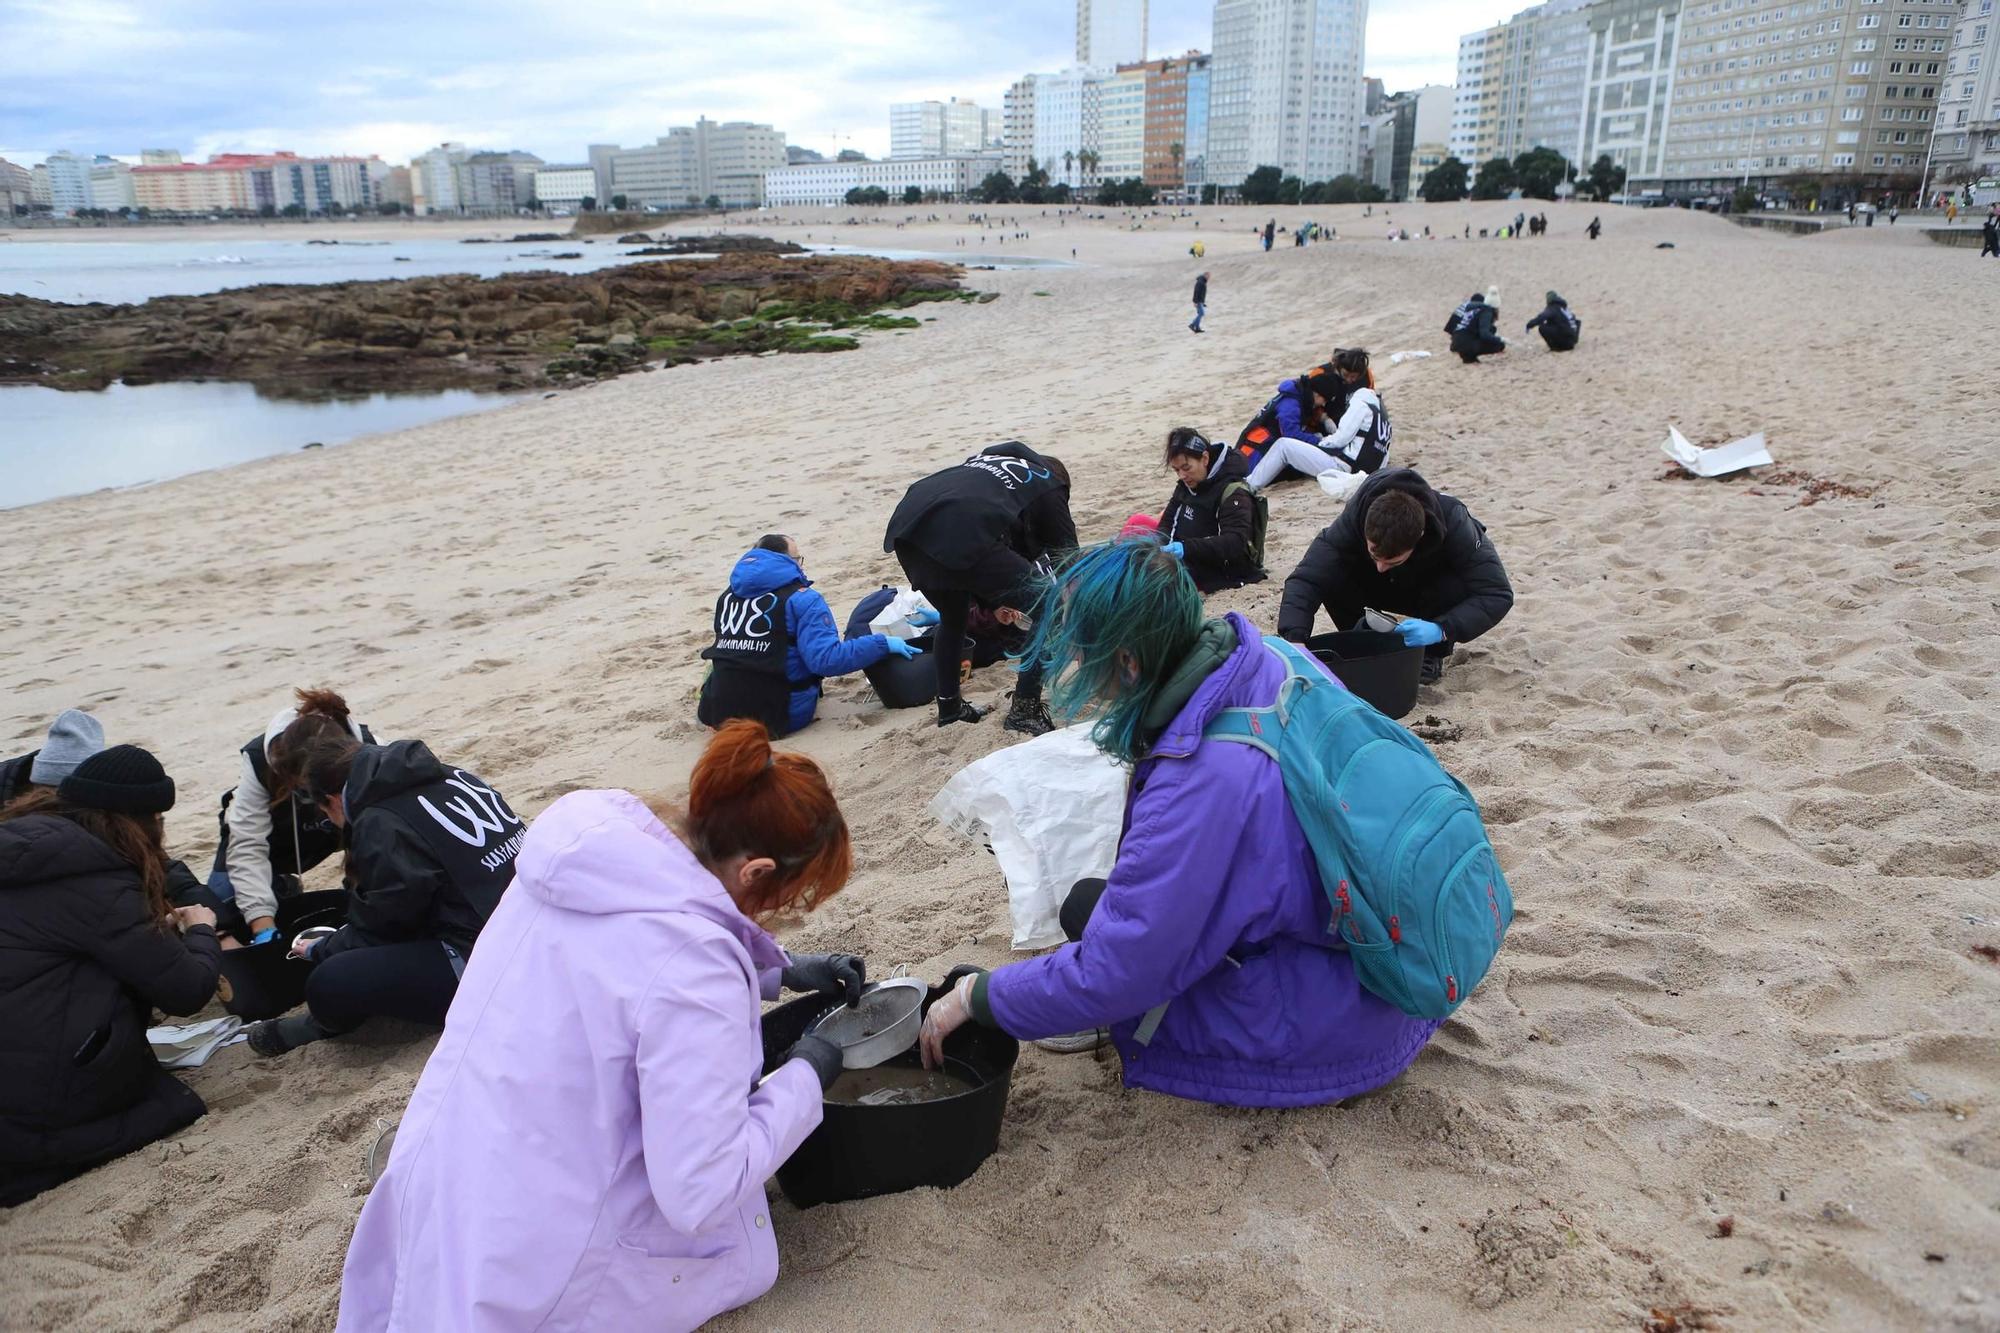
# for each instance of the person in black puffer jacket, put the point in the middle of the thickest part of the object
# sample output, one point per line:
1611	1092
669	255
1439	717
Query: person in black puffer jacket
1212	520
1401	547
1474	329
430	850
1560	326
88	949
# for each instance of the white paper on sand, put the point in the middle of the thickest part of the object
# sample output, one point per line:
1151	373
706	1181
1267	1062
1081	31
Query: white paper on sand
1050	810
1398	358
1720	461
1341	485
894	619
188	1045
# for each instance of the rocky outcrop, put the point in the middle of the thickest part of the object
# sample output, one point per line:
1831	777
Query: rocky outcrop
514	332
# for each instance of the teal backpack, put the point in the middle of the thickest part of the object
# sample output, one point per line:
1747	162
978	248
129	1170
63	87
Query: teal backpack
1417	893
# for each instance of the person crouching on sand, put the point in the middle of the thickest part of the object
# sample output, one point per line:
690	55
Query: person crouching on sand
430	851
88	949
1560	326
1474	330
1211	523
775	639
588	1145
1401	547
1359	441
1214	906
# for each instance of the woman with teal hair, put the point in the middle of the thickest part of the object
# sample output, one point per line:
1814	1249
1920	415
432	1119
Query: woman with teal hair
1206	951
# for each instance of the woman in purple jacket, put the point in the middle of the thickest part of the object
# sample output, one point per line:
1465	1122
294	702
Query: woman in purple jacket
1214	909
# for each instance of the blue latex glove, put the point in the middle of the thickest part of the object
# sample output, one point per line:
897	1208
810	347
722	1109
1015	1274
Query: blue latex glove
1419	633
902	647
265	936
921	618
1176	550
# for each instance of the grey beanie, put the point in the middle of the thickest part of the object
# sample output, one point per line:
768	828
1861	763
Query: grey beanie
73	738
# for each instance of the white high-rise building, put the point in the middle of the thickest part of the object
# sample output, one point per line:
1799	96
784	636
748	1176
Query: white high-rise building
1020	125
1067	124
69	182
1966	149
942	129
1121	125
1287	88
1110	32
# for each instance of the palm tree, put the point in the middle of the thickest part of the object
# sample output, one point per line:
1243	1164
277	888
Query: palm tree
1088	157
1069	167
1177	149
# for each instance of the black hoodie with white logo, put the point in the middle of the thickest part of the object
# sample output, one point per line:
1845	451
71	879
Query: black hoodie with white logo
430	851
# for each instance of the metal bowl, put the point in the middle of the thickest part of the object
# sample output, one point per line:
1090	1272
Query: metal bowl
314	933
884	1025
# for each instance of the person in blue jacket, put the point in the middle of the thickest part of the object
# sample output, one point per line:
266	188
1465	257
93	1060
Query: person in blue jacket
775	639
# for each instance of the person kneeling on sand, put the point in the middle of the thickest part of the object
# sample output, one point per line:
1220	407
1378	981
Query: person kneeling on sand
1401	547
1297	411
1214	905
430	851
775	639
271	834
1474	329
589	1142
982	531
1359	442
1560	326
1213	522
88	949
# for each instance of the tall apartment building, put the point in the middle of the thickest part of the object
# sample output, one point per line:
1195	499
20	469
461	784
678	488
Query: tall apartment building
17	188
1121	124
69	182
1066	119
1765	89
1171	109
689	164
1496	73
1287	88
564	186
1200	81
943	129
1018	138
1412	135
1966	145
192	187
1110	33
434	179
111	185
253	182
1630	75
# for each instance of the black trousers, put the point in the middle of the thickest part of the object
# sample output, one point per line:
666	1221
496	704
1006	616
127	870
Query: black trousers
1075	912
1001	578
414	981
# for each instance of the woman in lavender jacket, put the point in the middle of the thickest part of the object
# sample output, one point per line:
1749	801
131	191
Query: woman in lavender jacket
1214	908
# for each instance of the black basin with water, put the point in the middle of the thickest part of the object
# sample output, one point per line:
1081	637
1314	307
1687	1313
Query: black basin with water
861	1151
1378	667
263	981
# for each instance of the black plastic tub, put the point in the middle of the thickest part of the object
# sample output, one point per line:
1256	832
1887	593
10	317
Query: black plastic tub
263	982
1378	667
862	1151
905	682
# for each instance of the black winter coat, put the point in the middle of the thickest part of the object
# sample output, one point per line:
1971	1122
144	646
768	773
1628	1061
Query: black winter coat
1478	333
1454	578
1217	534
1560	326
83	963
430	851
14	775
1001	497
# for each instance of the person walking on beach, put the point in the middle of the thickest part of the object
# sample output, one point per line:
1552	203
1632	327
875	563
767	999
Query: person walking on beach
1200	301
1270	231
1404	548
1595	228
1989	236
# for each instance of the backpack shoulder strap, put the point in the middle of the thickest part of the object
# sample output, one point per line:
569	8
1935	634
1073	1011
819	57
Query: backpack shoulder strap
1260	728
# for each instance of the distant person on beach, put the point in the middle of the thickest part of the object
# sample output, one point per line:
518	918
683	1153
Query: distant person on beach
430	851
775	640
1560	326
1200	301
1213	523
1214	911
983	531
89	947
1989	236
1270	231
1358	442
588	1145
1474	330
1402	548
271	834
1595	228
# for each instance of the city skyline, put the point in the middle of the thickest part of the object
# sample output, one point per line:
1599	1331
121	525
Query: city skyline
214	77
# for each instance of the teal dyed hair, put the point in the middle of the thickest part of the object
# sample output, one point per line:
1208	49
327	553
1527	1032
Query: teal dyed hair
1124	596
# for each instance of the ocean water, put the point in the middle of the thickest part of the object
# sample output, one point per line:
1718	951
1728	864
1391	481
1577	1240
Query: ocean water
54	443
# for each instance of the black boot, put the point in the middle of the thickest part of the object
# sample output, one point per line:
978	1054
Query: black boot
1028	714
279	1035
958	710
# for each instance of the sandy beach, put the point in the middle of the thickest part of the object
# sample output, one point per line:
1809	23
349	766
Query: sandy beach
1736	744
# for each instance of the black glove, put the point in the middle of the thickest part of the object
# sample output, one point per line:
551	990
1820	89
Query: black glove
821	1054
841	975
962	970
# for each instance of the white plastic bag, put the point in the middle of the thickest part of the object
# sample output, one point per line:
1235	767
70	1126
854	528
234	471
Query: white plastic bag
894	619
1050	810
1341	485
188	1045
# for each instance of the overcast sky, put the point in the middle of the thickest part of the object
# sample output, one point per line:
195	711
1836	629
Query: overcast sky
396	76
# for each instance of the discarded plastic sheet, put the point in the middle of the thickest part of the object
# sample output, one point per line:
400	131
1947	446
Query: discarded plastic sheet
1732	457
894	619
1341	485
1398	358
1051	810
188	1045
